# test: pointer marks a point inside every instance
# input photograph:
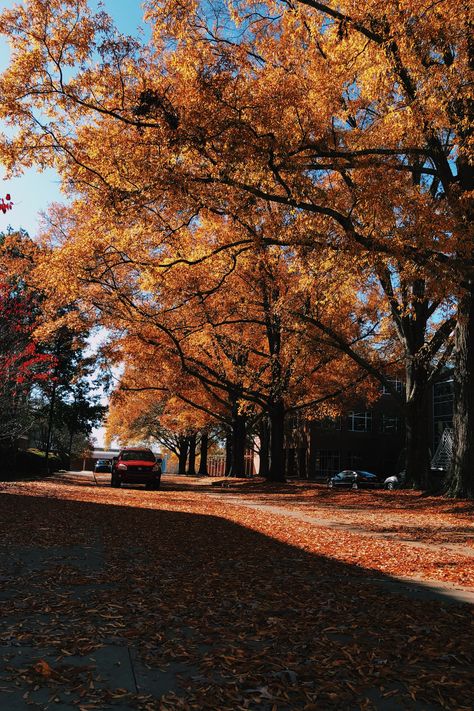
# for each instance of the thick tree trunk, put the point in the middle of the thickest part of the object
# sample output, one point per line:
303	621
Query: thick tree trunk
238	443
303	461
183	454
192	456
417	423
228	453
69	450
277	454
49	435
418	439
203	455
461	482
264	448
417	413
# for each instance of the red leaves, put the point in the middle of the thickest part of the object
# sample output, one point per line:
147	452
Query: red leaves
21	364
6	203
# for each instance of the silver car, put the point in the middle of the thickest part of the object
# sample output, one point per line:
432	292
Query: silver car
395	481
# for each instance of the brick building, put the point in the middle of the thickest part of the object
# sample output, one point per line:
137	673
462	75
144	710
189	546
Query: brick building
364	439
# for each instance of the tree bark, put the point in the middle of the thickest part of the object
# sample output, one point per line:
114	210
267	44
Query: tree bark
461	482
228	453
203	455
417	441
417	424
49	435
277	433
238	443
192	455
264	448
183	454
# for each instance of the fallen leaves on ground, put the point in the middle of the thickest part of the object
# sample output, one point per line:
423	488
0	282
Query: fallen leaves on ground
241	609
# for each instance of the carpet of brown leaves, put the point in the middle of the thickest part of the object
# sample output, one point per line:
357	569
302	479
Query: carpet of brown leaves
386	519
250	609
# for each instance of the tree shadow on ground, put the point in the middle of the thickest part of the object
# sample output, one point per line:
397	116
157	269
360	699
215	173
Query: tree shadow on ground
241	620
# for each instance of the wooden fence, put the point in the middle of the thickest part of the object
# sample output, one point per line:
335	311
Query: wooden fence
216	465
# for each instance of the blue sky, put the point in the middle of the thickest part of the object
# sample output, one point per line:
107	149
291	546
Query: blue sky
33	191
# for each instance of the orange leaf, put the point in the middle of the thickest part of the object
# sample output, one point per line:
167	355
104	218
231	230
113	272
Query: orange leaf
43	668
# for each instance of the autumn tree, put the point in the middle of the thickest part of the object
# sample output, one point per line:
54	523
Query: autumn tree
23	364
387	110
404	334
46	374
393	102
225	342
156	400
355	117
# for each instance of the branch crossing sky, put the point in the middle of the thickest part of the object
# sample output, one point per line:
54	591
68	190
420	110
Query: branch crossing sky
33	191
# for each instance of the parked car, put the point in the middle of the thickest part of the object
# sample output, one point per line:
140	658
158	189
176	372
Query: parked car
136	465
437	479
353	479
395	481
103	466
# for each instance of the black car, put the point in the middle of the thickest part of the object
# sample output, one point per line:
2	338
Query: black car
353	479
103	466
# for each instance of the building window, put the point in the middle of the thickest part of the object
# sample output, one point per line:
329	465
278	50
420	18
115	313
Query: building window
396	383
330	423
360	421
327	462
390	424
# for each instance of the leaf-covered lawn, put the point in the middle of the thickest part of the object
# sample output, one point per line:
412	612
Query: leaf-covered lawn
221	606
447	526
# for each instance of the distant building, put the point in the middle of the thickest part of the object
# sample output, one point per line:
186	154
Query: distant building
362	439
104	453
371	440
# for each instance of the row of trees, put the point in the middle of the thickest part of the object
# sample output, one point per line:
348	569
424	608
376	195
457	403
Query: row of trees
271	204
236	358
45	382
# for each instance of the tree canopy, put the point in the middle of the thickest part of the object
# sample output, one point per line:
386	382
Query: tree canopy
280	142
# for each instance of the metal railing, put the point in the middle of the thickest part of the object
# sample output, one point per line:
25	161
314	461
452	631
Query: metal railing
444	452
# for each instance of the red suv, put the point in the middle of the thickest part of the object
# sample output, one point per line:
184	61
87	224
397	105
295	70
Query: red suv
135	465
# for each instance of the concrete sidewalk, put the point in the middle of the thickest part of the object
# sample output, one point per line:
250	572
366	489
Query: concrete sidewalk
35	675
